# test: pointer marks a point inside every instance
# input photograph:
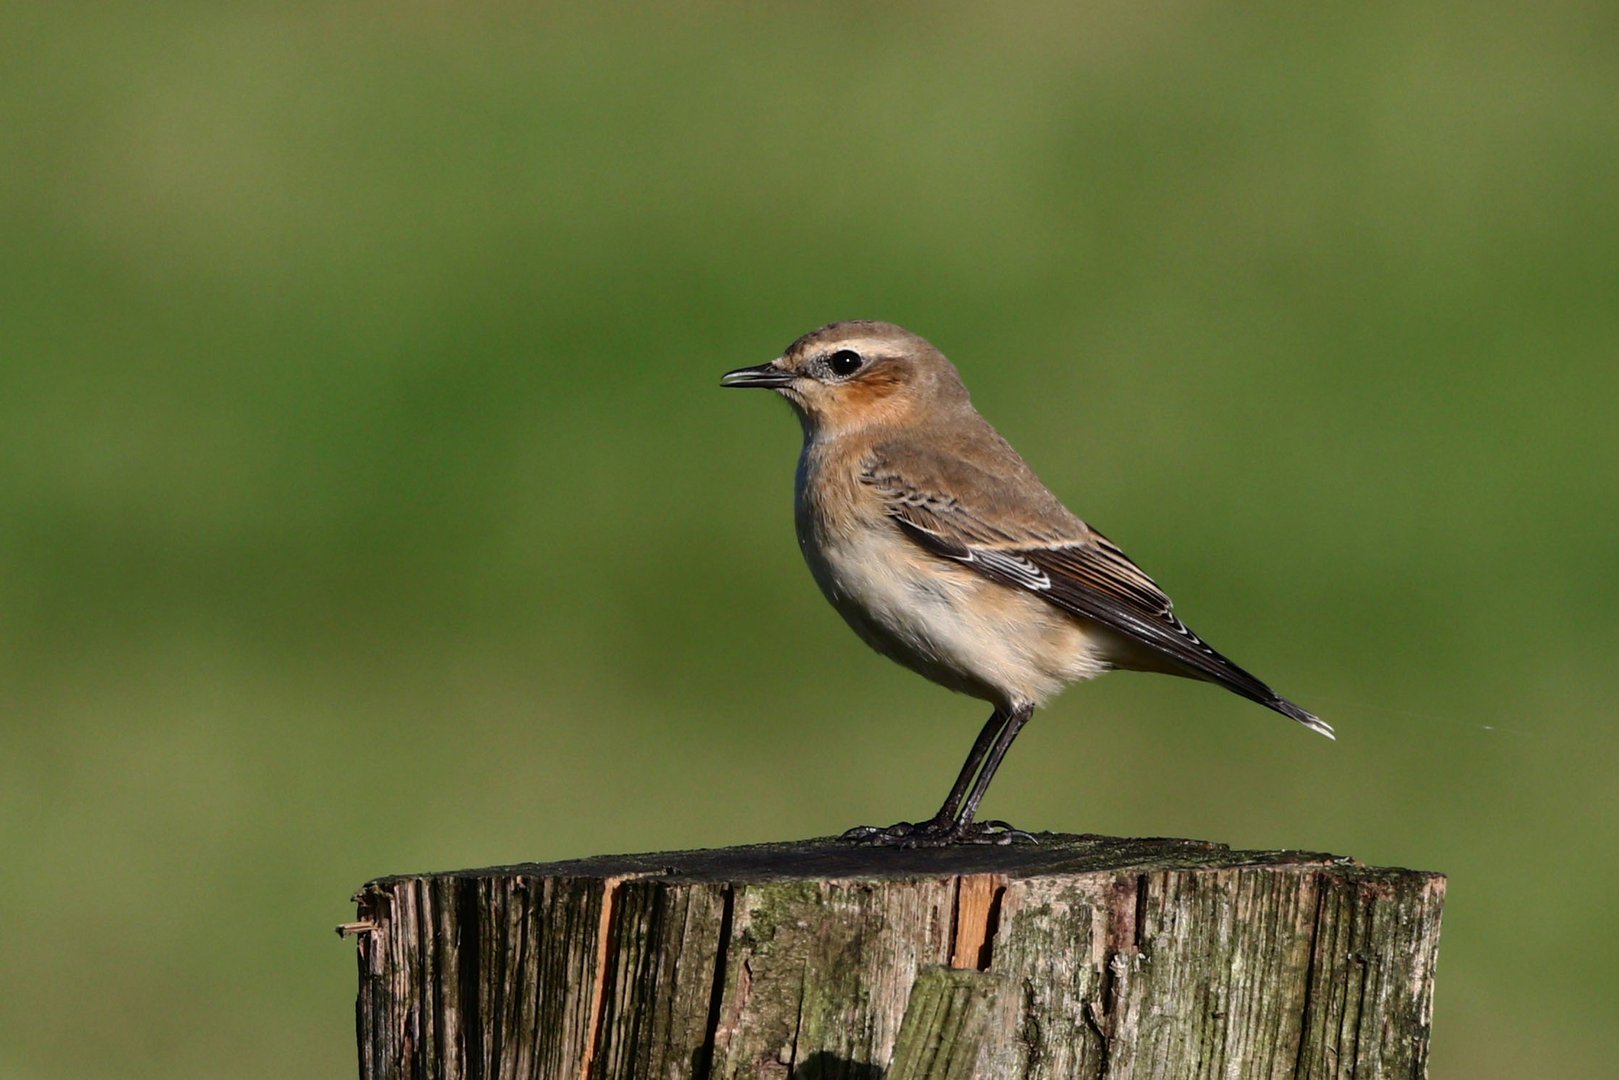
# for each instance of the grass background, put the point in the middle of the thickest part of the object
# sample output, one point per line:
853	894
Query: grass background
368	503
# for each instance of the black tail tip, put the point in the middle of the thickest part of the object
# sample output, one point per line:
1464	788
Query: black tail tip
1309	720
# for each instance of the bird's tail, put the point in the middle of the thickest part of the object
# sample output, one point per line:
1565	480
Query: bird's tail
1293	712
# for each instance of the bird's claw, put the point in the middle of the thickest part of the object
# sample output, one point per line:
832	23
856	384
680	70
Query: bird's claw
878	835
996	831
907	834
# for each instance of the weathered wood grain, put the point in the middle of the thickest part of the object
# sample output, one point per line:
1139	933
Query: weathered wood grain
1109	958
949	1020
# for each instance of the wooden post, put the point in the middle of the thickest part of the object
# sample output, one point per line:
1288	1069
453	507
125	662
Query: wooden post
1079	956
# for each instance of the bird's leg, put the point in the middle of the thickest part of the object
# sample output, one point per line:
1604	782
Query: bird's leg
963	825
969	768
936	830
951	824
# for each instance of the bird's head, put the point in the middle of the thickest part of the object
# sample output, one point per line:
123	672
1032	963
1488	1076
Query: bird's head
857	374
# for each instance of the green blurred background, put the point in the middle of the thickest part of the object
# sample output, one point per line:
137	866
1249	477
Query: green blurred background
368	503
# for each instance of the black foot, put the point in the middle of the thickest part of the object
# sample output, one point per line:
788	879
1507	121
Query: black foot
906	834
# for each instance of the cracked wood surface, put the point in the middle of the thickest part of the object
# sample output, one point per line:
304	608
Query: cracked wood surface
798	961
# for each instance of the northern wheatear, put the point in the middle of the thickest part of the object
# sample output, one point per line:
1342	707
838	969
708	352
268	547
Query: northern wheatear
942	549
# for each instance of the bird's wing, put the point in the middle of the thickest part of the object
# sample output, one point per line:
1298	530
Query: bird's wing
1000	527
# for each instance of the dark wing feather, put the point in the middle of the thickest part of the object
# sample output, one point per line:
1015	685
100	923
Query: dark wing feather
1082	573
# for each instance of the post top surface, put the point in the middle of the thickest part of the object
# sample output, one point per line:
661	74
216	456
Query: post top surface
828	858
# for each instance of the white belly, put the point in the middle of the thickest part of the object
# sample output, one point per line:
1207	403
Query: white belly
943	621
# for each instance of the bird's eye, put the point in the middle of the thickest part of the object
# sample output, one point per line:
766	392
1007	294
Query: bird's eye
844	362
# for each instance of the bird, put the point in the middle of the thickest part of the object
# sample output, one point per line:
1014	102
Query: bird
943	551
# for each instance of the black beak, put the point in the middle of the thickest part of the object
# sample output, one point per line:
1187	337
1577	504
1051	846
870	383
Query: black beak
765	375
